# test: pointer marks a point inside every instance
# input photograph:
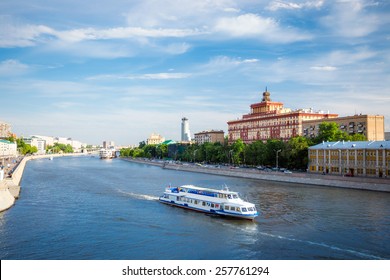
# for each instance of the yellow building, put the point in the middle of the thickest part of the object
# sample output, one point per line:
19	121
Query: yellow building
351	158
373	127
210	136
155	139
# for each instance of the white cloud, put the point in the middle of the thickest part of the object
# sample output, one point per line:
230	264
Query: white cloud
184	13
225	63
12	67
351	19
255	26
16	34
77	35
176	48
278	5
149	76
324	68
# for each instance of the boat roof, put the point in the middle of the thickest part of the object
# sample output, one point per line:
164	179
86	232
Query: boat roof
207	189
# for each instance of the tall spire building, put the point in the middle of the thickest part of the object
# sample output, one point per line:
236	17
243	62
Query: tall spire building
185	130
271	120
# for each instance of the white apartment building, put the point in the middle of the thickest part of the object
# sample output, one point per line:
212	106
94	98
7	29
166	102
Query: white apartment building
8	149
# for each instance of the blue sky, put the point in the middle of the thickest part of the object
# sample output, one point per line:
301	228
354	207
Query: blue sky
121	69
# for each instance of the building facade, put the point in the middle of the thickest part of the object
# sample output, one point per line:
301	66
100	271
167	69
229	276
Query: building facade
373	127
209	136
155	139
34	141
351	158
270	120
5	130
185	130
7	149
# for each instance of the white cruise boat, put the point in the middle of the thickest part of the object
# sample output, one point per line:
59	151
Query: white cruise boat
107	153
219	202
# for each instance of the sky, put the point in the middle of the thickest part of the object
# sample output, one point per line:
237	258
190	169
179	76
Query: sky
120	70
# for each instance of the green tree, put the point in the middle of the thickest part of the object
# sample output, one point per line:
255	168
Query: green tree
329	131
237	150
141	144
358	137
273	146
255	153
297	152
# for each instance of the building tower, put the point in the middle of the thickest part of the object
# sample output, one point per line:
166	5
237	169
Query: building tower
185	130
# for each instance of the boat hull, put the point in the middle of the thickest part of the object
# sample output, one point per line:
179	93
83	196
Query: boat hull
220	212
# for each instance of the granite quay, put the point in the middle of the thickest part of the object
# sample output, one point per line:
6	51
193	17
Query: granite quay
10	185
365	183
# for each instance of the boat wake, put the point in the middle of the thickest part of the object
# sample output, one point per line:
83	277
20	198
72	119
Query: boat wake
335	248
139	196
252	229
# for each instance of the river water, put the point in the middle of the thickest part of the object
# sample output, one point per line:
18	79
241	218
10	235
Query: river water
87	208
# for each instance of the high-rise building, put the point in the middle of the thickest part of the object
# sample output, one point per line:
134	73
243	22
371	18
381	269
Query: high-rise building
270	120
108	144
373	127
185	130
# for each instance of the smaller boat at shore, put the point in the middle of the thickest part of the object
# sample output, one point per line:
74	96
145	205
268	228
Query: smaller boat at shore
219	202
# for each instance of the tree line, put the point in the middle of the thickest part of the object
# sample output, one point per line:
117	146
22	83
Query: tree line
292	154
25	148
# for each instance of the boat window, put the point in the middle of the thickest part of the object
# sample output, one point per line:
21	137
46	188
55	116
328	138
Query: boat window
243	209
232	208
212	205
235	196
203	203
196	202
250	209
226	207
229	196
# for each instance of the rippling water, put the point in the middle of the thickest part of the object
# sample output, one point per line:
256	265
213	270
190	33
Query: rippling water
87	208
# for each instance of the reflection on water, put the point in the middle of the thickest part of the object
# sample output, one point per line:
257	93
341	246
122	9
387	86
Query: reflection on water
86	208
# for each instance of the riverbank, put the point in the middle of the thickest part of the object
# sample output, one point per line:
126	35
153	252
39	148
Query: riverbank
361	183
10	186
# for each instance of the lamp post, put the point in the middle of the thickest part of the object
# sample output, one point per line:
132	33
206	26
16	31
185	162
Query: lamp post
195	154
230	156
277	156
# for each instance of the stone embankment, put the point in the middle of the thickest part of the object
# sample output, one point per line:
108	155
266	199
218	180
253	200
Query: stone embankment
362	183
10	187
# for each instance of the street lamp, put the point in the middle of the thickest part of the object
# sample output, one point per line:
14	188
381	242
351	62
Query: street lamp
195	154
231	156
277	156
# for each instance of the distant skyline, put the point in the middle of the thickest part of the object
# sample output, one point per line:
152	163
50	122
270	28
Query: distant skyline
123	69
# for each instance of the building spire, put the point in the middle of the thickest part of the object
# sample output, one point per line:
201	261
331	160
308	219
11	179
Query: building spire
266	95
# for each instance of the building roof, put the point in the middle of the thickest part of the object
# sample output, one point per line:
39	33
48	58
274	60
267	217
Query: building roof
6	141
168	142
209	131
371	145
